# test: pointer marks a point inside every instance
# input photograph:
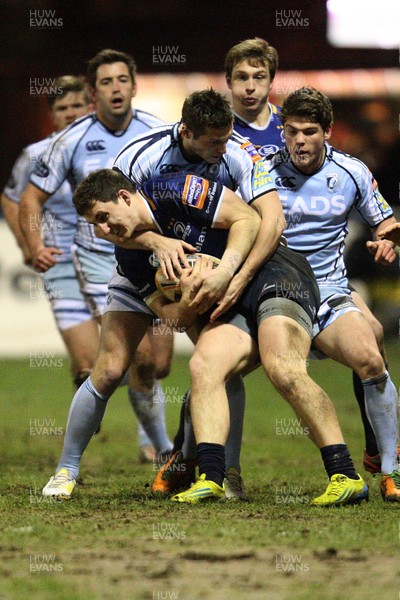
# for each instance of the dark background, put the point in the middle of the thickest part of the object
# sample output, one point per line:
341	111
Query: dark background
203	29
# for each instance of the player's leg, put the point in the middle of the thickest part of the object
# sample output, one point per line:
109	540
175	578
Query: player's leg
222	351
120	335
285	327
284	346
350	340
101	285
371	458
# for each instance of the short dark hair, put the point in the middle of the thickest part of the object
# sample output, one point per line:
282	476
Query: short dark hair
207	108
256	51
103	186
309	103
107	57
65	84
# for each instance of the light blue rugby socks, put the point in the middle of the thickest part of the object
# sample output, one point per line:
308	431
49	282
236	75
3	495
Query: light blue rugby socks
381	405
85	415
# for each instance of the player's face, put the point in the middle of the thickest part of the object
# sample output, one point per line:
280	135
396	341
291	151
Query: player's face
113	217
305	142
113	92
250	87
210	146
66	110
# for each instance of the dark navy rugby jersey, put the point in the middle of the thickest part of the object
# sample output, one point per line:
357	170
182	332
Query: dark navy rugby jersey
267	139
182	207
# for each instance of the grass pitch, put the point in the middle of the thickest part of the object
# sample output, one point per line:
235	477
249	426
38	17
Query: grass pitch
114	540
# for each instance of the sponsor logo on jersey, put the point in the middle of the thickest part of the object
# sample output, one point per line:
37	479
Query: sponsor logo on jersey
270	149
251	151
179	229
41	169
96	146
261	177
332	180
383	205
285	183
315	205
195	191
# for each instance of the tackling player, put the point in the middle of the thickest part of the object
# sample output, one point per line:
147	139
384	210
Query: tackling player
90	143
57	224
320	185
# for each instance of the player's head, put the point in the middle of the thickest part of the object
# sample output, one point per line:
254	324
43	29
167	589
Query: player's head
69	102
310	104
104	199
111	77
256	52
108	57
250	69
307	118
207	122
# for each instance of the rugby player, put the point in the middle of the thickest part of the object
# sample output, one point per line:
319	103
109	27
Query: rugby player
281	321
87	144
250	69
320	185
57	224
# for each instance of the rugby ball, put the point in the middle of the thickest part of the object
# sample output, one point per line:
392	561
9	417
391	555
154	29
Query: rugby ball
170	288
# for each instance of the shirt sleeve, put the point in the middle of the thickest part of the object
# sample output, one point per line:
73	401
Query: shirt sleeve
371	204
250	172
52	167
19	177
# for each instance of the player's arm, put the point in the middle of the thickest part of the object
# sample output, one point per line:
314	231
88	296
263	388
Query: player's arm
10	211
243	224
30	212
383	248
269	208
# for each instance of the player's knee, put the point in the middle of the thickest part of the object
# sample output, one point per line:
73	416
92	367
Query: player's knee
285	371
370	363
162	368
109	371
201	368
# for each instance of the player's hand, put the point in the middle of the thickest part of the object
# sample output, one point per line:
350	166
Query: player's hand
383	251
171	256
209	286
44	258
231	296
391	233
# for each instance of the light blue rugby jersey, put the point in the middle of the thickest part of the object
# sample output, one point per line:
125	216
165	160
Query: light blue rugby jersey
267	139
83	147
59	219
317	208
158	153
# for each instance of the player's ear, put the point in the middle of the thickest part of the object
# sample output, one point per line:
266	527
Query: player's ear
125	196
92	93
228	81
328	132
134	90
185	131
